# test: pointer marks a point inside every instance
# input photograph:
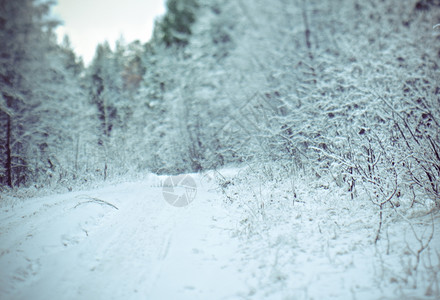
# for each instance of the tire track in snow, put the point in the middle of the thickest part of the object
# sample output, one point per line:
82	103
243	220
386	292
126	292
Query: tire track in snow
145	249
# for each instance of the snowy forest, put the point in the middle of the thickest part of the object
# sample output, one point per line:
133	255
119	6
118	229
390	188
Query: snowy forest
346	89
313	99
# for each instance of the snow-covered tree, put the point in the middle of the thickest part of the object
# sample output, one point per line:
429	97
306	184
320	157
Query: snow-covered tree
26	73
175	27
41	97
104	83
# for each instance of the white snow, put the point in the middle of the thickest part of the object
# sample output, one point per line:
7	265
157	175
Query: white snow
71	246
126	242
306	239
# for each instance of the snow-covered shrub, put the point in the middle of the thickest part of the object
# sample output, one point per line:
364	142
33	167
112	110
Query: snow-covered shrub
418	127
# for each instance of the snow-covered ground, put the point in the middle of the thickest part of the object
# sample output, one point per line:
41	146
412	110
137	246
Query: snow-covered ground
132	246
126	242
305	238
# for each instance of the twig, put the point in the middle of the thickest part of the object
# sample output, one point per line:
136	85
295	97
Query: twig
381	211
95	200
423	246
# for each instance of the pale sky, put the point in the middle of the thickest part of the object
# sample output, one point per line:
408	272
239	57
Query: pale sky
89	22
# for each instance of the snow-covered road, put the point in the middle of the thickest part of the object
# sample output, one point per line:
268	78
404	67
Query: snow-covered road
73	246
125	241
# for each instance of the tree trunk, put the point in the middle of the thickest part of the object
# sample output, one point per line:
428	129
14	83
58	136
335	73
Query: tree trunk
8	152
307	34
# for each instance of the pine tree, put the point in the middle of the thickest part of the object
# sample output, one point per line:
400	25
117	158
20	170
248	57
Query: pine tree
175	27
22	61
107	93
41	97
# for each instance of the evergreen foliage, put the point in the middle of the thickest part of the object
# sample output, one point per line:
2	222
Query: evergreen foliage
175	27
341	89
